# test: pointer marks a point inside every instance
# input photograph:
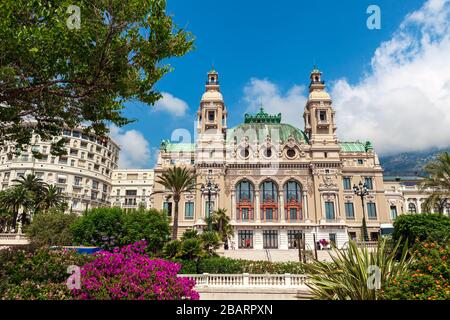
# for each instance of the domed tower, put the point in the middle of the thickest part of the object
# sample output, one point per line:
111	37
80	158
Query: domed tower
212	114
319	117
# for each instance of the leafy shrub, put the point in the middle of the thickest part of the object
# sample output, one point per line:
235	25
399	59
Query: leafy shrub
51	228
422	227
210	242
24	270
30	290
128	273
172	248
189	234
221	265
112	227
428	278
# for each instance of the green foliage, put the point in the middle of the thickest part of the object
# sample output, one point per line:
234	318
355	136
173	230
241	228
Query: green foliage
422	227
438	180
51	229
220	223
221	265
29	196
25	269
59	74
428	277
172	249
210	242
191	249
189	234
112	227
349	275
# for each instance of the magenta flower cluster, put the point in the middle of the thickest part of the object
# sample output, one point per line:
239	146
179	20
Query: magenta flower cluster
129	273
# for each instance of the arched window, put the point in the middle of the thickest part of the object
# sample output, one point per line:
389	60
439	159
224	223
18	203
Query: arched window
244	201
412	208
292	201
292	191
269	191
269	201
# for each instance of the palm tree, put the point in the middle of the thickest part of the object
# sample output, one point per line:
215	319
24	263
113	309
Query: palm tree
35	185
176	181
15	199
52	198
220	222
6	218
438	180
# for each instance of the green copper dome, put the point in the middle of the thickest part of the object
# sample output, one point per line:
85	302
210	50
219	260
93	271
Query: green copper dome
259	126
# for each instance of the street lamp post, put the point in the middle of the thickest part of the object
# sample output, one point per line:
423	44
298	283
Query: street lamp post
362	191
209	188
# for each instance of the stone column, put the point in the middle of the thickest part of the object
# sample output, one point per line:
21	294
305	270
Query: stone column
257	209
305	205
281	207
233	206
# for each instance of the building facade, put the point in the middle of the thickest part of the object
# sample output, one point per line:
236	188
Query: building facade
276	181
83	174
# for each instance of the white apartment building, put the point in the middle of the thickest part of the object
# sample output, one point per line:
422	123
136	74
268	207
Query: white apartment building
132	188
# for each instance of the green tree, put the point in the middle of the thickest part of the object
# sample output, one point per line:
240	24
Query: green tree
220	223
52	197
16	199
438	180
176	181
210	241
58	73
422	227
149	225
5	220
51	229
112	227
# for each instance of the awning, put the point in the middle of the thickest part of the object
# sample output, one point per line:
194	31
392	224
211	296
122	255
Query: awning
386	228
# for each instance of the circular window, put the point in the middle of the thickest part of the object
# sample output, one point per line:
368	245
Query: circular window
290	153
245	153
267	152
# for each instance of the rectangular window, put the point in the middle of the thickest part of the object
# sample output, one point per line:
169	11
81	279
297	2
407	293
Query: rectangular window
322	116
349	210
347	183
245	214
189	210
360	161
77	181
374	236
270	239
393	212
294	238
211	115
369	183
167	206
293	213
94	184
371	210
245	238
329	210
269	214
131	192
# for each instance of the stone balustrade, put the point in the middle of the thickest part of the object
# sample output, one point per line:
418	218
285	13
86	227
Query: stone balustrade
11	239
286	280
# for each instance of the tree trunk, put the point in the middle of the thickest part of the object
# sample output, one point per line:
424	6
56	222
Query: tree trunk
175	221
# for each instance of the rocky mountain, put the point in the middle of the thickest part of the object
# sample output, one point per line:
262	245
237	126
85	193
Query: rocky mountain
408	163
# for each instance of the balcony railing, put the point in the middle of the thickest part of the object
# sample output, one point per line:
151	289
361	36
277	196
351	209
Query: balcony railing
286	280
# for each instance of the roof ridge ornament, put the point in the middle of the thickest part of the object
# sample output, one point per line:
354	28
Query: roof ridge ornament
262	117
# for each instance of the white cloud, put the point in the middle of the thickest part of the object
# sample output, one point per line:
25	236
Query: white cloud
264	92
403	103
134	148
171	104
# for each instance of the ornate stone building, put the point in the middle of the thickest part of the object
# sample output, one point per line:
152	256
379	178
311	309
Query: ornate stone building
277	181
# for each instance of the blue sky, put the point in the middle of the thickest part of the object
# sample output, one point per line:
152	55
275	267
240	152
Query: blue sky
264	51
